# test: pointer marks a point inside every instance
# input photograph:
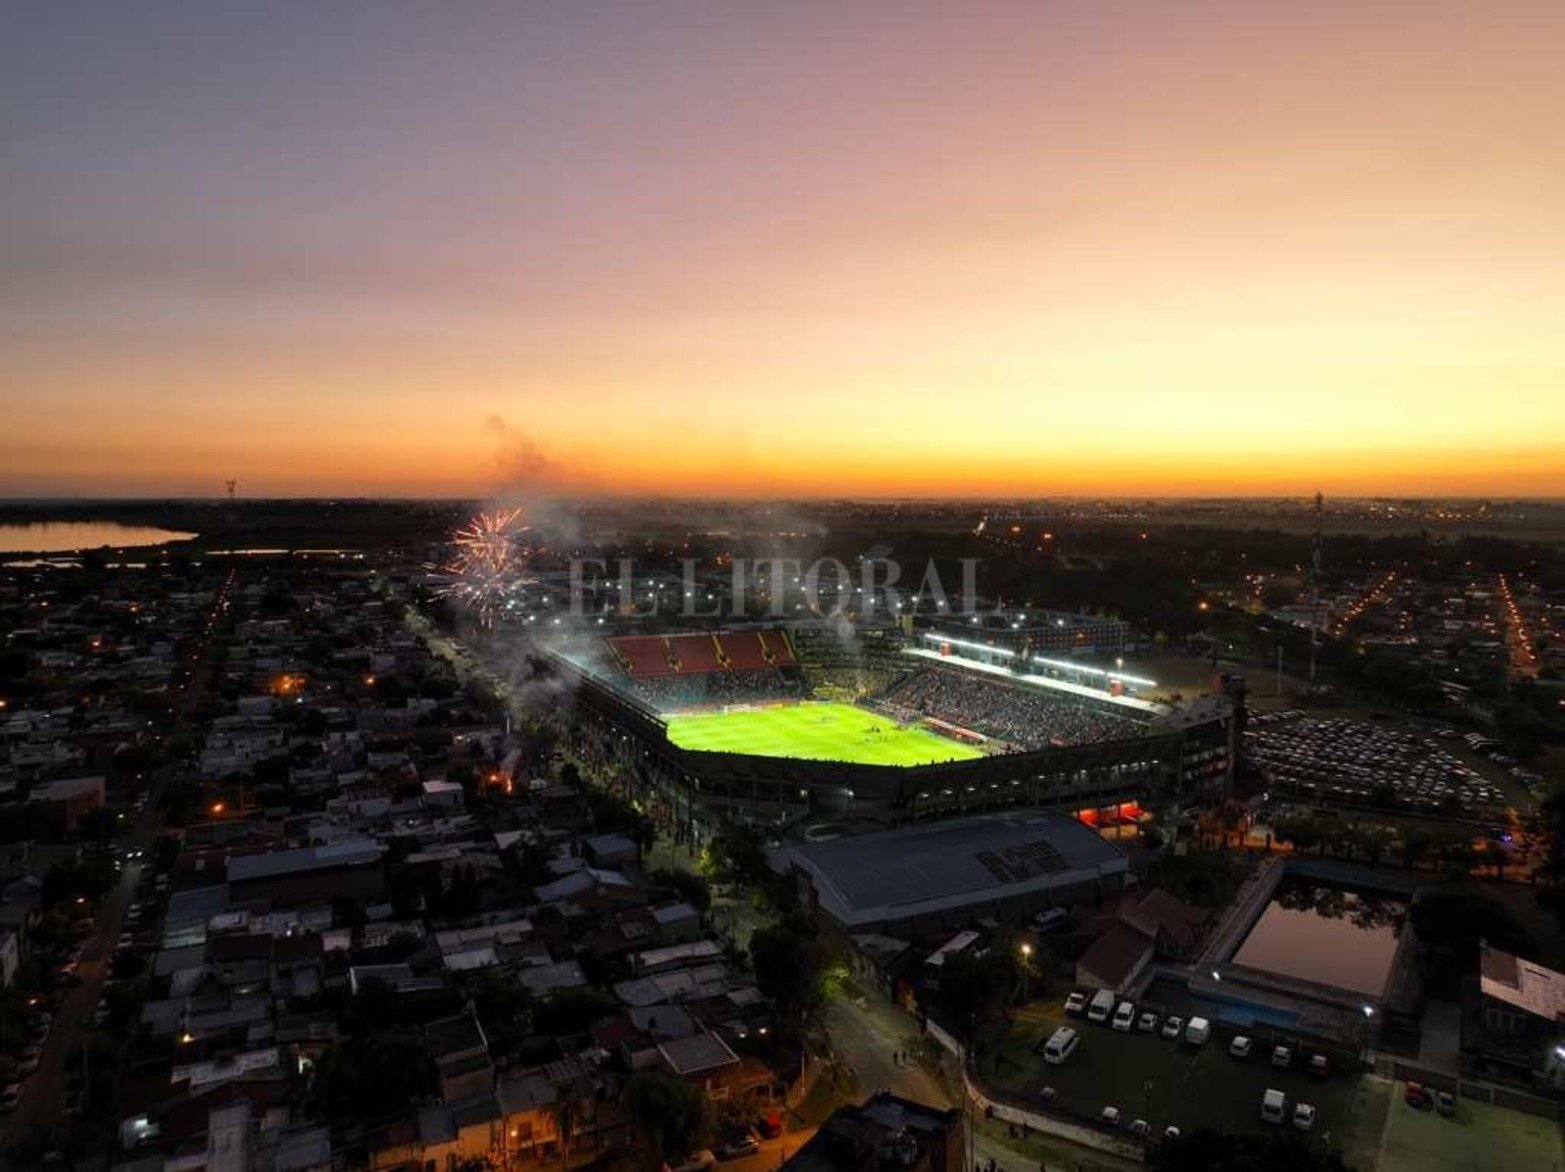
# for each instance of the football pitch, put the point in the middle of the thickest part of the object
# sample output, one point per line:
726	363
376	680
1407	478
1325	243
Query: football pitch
817	731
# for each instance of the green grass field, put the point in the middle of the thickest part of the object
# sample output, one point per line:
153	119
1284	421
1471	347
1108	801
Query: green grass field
818	732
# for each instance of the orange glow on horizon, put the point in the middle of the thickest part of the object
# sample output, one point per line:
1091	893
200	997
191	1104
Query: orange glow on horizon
812	251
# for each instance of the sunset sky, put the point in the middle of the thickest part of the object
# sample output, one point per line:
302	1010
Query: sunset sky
751	249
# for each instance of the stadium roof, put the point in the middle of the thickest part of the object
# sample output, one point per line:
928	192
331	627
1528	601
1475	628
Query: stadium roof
1039	683
940	866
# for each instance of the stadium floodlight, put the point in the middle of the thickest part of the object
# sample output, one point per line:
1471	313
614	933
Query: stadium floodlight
1095	671
937	638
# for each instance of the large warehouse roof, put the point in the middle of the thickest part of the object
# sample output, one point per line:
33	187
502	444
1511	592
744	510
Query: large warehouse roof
939	866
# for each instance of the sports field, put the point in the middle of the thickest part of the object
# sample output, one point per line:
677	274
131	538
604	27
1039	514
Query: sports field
819	732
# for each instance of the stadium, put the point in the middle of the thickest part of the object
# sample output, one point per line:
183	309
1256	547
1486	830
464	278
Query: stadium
810	726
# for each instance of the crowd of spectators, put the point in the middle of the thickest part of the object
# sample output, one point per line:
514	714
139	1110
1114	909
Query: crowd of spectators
1022	717
714	689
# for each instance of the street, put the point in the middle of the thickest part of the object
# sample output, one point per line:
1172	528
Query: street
43	1094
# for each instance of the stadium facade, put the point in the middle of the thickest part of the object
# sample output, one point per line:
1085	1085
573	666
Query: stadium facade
1173	761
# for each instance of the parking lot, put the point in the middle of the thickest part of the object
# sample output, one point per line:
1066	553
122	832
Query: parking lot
1163	1081
1349	760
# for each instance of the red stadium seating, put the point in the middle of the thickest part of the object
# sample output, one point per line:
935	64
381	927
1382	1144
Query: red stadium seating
776	643
643	655
745	650
697	654
646	656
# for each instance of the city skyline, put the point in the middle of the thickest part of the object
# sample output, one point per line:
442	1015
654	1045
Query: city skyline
1064	250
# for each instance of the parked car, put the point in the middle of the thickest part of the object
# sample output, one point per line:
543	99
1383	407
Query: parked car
1101	1006
1445	1103
1414	1094
698	1161
1140	1127
1125	1016
1303	1116
1109	1116
9	1097
1147	1022
1282	1057
1051	919
1240	1047
1076	1004
1320	1066
1173	1026
1061	1045
1198	1031
739	1147
1274	1106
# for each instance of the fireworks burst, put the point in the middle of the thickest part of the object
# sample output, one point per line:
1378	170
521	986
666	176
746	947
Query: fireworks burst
487	562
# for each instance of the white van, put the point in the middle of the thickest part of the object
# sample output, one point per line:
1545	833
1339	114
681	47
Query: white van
1101	1006
1274	1107
1061	1045
1198	1031
1125	1017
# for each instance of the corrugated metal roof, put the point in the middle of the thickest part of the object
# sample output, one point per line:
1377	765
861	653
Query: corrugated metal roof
303	859
895	874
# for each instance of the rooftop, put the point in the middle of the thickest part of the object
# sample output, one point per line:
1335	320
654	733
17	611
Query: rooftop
910	871
696	1053
1522	983
302	860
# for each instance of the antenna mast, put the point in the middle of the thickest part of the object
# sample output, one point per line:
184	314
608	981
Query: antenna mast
1315	589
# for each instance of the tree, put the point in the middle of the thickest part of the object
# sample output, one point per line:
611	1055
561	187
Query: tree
1449	923
737	855
371	1078
569	1011
504	1007
1415	848
568	1110
790	964
693	889
667	1112
1301	832
975	990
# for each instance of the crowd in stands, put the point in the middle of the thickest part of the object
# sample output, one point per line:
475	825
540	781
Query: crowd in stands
715	689
848	664
1021	717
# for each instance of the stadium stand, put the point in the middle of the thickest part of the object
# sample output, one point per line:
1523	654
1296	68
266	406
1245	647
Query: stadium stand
756	650
671	693
651	656
1020	716
642	655
852	663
